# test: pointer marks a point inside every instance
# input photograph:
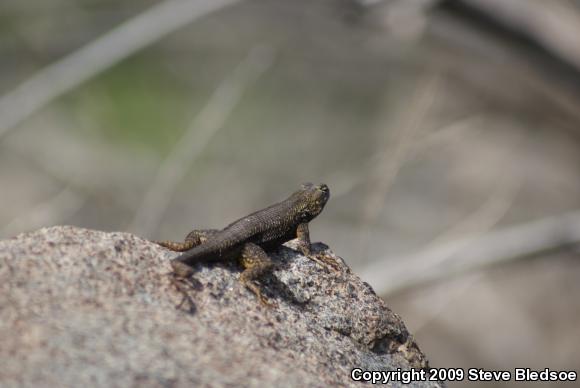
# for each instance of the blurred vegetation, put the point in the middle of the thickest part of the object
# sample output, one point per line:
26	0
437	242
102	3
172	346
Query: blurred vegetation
136	104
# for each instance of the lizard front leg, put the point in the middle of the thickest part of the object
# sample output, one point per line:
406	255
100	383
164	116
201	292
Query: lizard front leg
303	235
256	262
193	239
305	247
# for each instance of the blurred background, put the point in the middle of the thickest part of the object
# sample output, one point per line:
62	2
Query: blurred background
447	131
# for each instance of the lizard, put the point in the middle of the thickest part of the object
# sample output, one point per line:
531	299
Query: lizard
249	238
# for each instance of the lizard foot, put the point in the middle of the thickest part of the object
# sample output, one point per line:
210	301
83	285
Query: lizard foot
325	261
267	303
250	285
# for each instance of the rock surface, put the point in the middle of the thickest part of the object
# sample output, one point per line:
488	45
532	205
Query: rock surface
87	308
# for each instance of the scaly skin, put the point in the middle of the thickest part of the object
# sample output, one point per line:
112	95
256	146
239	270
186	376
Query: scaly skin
248	238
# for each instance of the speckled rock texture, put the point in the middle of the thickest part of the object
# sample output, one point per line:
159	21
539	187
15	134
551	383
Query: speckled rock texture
84	308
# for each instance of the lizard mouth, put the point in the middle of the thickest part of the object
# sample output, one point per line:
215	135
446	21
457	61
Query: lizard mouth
324	189
323	194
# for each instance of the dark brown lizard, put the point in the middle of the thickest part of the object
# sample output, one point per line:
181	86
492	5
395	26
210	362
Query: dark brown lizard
248	238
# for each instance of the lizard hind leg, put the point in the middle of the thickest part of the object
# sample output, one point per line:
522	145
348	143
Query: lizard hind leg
256	263
193	239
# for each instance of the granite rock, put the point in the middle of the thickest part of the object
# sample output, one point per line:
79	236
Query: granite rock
88	308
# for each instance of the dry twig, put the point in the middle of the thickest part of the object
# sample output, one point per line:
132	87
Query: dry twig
470	254
206	124
448	254
393	157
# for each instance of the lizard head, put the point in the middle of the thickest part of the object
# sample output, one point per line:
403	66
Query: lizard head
312	199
